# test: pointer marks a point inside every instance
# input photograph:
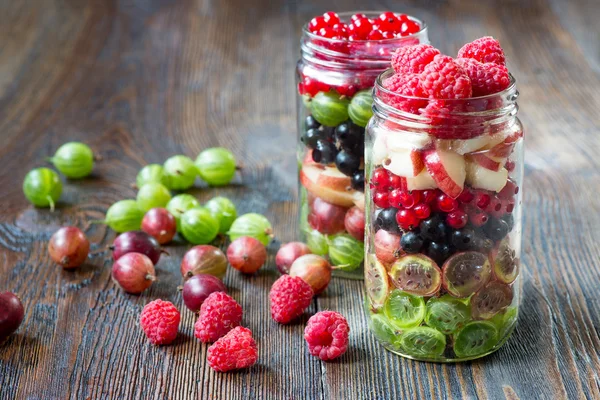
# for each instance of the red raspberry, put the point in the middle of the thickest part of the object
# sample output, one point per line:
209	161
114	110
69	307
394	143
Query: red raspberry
236	350
289	296
444	79
488	78
405	85
219	314
327	335
485	50
160	320
413	59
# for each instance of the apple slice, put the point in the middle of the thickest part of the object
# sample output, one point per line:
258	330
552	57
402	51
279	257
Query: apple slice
359	200
447	169
483	178
406	140
421	182
308	160
487	161
405	162
465	146
328	185
379	151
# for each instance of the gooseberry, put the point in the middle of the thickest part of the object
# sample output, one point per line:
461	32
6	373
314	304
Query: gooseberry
11	314
325	217
317	242
180	173
246	254
136	242
253	225
288	253
354	222
196	289
68	247
387	246
153	173
160	224
134	272
345	252
153	195
198	226
216	166
74	160
224	210
180	204
42	187
123	216
203	259
314	270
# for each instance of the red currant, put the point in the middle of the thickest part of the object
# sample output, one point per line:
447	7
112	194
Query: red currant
508	205
395	198
409	27
408	199
407	219
510	166
509	190
354	17
388	22
375	34
361	27
422	210
327	32
311	86
346	90
457	219
381	199
446	203
429	196
478	218
482	200
403	17
466	196
380	177
341	30
331	18
316	24
396	182
495	208
387	35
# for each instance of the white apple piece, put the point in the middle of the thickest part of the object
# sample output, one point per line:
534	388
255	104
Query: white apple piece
422	181
465	146
447	169
329	184
406	162
406	140
482	178
379	152
487	161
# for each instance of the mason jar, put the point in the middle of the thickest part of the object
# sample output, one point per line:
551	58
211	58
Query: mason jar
335	78
443	223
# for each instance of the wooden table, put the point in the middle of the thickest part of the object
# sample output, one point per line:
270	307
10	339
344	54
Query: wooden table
143	80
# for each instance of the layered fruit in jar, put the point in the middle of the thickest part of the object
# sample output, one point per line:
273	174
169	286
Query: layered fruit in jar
342	55
444	171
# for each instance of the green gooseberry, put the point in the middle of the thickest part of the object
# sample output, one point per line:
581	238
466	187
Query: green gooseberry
224	210
180	173
216	166
150	173
42	187
153	195
253	225
124	216
74	160
199	226
180	204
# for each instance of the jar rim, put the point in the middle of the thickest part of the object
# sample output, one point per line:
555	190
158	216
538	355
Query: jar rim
348	14
389	72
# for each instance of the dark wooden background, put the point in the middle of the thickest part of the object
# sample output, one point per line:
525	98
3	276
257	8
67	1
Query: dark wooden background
141	80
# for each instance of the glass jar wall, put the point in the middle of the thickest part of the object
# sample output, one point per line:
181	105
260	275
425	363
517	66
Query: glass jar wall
443	215
335	79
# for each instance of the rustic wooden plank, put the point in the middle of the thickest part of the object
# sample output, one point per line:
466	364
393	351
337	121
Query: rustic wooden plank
142	80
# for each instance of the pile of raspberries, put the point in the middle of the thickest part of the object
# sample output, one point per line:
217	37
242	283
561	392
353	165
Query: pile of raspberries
233	346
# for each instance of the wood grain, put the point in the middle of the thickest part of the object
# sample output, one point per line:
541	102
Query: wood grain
140	81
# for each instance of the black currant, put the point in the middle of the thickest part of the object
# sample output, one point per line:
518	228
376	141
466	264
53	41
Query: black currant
328	133
386	220
347	163
463	239
311	137
510	221
411	242
311	123
348	135
439	252
496	229
358	180
433	228
324	152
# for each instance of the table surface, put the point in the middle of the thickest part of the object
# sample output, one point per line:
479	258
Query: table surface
142	80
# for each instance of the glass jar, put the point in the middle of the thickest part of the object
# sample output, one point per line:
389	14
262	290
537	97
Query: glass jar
443	215
335	78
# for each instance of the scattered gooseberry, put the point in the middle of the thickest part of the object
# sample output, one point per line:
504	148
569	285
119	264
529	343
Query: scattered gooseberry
288	253
246	254
11	314
253	225
153	195
314	270
69	247
196	289
123	216
136	242
204	259
179	172
42	187
153	173
216	166
224	210
74	160
160	224
134	272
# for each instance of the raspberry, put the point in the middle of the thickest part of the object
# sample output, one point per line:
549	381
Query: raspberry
219	314
486	78
413	59
236	350
485	50
289	296
445	79
159	320
405	85
327	335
